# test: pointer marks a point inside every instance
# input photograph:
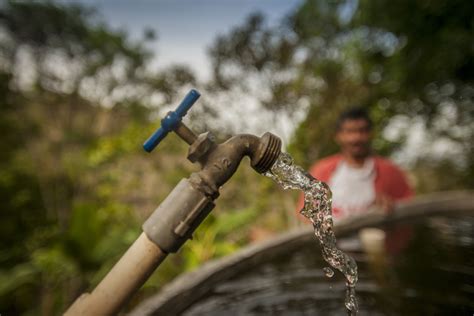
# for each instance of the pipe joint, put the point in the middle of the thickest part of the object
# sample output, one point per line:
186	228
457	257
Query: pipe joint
175	220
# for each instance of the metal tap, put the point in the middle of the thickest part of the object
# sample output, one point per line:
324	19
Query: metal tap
176	218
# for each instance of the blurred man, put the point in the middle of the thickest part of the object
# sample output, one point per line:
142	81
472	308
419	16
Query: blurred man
360	181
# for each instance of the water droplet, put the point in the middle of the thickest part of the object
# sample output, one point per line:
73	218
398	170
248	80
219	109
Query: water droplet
328	272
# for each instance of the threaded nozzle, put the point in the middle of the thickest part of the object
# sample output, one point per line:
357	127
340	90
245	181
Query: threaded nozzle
267	153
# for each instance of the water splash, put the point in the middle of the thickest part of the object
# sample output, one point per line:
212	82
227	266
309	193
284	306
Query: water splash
317	208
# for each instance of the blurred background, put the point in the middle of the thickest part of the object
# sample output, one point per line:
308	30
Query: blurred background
84	83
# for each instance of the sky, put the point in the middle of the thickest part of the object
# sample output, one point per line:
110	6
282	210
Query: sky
185	28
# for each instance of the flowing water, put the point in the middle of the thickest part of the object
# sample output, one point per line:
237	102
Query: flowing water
317	208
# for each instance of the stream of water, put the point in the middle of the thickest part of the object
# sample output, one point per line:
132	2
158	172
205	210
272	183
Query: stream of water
317	208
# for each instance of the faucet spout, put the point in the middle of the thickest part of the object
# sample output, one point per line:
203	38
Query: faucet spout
222	160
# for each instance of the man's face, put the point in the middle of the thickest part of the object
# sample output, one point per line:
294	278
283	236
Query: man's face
354	137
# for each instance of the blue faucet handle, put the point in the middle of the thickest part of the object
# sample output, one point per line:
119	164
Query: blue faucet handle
187	102
171	120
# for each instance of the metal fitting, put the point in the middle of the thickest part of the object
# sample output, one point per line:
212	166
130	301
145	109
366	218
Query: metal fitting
175	220
201	146
269	148
221	162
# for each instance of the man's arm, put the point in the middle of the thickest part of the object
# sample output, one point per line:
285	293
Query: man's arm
394	186
400	188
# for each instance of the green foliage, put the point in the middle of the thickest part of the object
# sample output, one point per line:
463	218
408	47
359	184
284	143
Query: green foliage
397	58
431	31
72	166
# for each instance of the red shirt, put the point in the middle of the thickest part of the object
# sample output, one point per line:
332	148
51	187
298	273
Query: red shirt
389	179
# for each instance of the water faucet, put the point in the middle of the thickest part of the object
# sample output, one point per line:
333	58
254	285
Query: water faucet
176	218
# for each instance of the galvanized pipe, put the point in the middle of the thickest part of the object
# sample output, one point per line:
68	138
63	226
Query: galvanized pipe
125	278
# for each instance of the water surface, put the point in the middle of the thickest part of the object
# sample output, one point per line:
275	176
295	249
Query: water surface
428	269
